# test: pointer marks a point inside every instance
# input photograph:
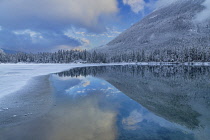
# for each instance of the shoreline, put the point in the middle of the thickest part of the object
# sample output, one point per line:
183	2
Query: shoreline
118	63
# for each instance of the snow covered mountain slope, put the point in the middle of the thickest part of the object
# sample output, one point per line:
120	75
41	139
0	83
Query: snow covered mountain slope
1	51
172	26
8	51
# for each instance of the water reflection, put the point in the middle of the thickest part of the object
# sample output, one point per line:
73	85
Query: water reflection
78	115
110	109
179	94
124	103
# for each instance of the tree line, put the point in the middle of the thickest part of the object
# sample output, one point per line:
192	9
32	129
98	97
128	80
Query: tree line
165	55
62	56
175	71
84	56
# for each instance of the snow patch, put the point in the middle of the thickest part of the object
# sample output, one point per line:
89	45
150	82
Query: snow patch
153	16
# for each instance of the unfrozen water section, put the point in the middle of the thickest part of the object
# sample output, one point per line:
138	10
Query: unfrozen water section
104	112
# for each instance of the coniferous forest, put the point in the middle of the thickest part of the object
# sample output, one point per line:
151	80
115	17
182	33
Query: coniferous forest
84	56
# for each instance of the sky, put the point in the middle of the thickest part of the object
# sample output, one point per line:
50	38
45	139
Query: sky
51	25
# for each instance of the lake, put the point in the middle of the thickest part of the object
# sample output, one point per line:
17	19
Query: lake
127	102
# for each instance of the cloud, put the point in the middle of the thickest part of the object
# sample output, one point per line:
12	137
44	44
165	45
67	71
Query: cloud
40	25
205	14
80	33
72	34
91	40
140	5
163	3
33	41
131	122
200	17
56	14
35	36
136	5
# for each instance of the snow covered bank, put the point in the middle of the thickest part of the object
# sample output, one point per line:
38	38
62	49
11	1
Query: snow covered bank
15	76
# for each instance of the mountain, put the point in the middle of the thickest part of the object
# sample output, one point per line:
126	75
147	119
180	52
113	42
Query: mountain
8	51
172	26
1	51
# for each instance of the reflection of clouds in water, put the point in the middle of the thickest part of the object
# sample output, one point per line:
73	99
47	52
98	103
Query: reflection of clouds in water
109	88
87	83
137	116
103	83
115	92
131	122
70	89
81	91
74	118
85	121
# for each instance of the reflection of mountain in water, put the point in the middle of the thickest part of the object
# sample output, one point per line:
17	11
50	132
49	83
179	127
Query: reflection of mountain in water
177	93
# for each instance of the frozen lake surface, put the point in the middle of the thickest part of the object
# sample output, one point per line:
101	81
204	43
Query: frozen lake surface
111	103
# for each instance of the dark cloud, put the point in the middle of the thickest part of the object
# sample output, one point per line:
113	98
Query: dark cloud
56	14
39	25
31	41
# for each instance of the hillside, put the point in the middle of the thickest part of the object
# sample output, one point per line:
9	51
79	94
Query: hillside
1	51
173	26
8	51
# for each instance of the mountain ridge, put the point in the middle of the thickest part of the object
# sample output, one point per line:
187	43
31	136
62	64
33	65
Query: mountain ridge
172	26
5	51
